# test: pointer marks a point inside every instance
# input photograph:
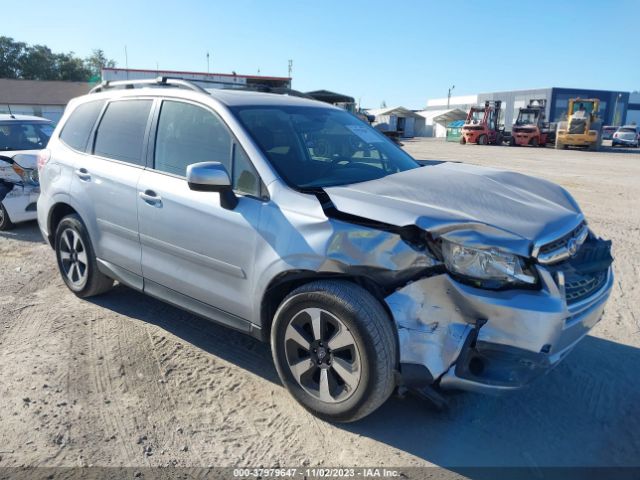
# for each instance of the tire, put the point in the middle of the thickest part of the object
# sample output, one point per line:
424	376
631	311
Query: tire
76	259
534	142
367	344
482	140
512	142
462	140
5	221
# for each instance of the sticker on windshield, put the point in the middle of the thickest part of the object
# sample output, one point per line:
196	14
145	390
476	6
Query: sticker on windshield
365	133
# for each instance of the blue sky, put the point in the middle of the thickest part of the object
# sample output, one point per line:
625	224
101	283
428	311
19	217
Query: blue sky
399	52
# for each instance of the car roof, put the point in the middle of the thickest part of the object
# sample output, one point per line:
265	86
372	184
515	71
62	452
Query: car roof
5	117
228	97
234	98
635	127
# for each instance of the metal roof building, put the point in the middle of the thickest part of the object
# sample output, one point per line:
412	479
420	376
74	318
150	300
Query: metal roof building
205	80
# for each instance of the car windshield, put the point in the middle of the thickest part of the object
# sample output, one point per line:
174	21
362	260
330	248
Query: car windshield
627	130
313	147
24	135
527	117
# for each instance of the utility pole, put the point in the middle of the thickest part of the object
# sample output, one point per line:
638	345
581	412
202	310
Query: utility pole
290	69
449	96
207	62
126	61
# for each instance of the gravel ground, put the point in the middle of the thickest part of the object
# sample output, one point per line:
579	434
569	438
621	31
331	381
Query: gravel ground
125	380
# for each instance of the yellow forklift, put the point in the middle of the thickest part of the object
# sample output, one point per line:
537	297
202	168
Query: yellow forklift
582	127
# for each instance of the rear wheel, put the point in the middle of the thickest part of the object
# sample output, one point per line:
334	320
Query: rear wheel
5	221
335	350
76	260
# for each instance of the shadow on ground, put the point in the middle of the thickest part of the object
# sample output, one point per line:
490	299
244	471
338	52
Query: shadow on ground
25	232
575	416
230	345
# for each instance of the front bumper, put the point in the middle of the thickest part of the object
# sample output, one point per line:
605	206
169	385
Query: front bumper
489	341
471	136
21	202
624	141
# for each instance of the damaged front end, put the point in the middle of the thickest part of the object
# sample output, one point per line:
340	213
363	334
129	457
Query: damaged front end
467	337
19	187
515	301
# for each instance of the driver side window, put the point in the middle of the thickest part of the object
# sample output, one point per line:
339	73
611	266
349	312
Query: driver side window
189	134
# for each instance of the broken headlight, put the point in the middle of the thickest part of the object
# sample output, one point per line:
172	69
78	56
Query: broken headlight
28	175
488	268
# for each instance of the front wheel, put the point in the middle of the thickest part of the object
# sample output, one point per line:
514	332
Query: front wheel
335	350
483	140
76	260
5	221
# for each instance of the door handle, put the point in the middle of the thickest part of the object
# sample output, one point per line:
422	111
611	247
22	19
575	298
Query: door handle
151	198
83	174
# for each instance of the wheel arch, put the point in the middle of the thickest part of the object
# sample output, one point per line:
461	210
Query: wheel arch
56	214
286	282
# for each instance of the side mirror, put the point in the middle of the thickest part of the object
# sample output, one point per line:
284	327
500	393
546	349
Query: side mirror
212	177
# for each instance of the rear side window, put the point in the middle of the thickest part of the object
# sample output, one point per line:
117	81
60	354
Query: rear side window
121	131
75	132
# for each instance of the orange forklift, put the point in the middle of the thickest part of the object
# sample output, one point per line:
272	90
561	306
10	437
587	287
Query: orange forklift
531	127
482	126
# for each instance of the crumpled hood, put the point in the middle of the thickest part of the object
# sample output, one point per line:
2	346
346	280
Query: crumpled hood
24	158
27	159
465	203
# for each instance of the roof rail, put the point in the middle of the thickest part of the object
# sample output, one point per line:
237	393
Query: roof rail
158	81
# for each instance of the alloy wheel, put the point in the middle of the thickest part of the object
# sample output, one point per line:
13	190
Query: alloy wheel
73	257
322	355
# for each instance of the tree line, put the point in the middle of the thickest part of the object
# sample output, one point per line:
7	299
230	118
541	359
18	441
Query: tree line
37	62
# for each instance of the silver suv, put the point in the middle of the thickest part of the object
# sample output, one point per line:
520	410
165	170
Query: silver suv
299	224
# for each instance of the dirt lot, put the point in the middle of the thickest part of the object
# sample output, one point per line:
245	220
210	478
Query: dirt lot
126	380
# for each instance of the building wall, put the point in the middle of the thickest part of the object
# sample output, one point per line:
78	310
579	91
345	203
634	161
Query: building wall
514	100
456	101
633	109
386	123
613	105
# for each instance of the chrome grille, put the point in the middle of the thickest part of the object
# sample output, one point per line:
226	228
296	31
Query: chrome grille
579	288
560	248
